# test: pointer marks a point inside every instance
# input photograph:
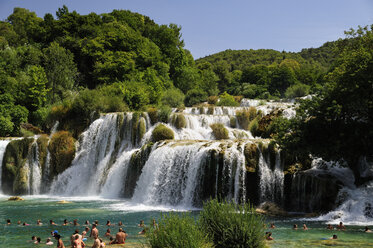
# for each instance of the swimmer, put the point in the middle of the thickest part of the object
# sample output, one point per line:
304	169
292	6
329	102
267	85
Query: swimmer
330	227
19	222
59	241
65	222
25	224
75	222
51	222
273	226
86	222
38	240
8	222
108	223
49	242
341	226
72	237
94	231
120	223
367	230
305	228
334	237
143	226
120	237
108	234
269	236
96	222
78	243
38	222
295	227
33	239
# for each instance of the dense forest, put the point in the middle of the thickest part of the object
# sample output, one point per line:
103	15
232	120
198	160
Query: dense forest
73	67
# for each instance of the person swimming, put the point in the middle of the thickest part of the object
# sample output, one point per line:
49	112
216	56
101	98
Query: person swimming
341	226
305	228
75	222
65	222
38	222
295	227
330	227
367	230
120	223
8	222
108	233
49	242
269	236
272	226
334	236
108	223
86	222
143	226
51	222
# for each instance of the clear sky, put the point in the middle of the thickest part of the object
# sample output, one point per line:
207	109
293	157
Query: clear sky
210	26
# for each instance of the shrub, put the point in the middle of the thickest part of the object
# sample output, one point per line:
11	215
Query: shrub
179	121
210	110
244	117
297	90
6	126
177	231
62	150
227	100
231	225
195	96
219	131
212	99
164	113
161	132
232	122
173	98
253	127
153	115
238	98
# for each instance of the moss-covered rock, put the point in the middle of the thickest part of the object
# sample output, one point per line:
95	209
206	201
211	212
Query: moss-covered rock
15	157
42	142
253	127
153	115
244	117
161	132
15	198
232	122
20	185
210	110
219	131
271	209
179	121
264	124
62	150
135	166
251	153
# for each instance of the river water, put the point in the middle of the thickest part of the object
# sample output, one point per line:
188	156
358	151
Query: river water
47	207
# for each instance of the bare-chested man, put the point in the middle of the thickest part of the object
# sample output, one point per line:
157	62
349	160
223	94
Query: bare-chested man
78	243
73	237
96	243
120	237
94	231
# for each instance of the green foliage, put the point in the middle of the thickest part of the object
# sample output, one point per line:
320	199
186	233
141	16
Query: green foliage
37	91
245	116
62	150
231	225
161	132
179	121
195	96
177	231
219	131
173	97
212	100
253	126
6	126
153	115
297	90
164	113
227	100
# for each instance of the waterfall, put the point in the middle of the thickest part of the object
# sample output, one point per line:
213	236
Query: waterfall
174	174
46	171
271	180
3	144
33	170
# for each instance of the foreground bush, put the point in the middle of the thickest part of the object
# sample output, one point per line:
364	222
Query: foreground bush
219	131
177	231
161	132
244	117
62	150
231	225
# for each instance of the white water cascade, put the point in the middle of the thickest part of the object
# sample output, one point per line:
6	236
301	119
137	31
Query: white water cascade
33	170
3	144
271	180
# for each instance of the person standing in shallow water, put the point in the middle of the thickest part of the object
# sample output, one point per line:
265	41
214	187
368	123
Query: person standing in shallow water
341	227
59	241
94	231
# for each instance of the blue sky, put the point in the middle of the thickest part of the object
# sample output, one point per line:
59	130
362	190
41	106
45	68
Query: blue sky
210	26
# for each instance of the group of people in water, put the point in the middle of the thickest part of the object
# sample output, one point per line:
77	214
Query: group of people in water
339	227
77	240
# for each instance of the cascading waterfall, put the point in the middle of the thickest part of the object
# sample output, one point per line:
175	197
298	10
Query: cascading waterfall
33	170
3	144
46	171
271	180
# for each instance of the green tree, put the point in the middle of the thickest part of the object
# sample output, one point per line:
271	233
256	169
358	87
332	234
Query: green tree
37	91
60	69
